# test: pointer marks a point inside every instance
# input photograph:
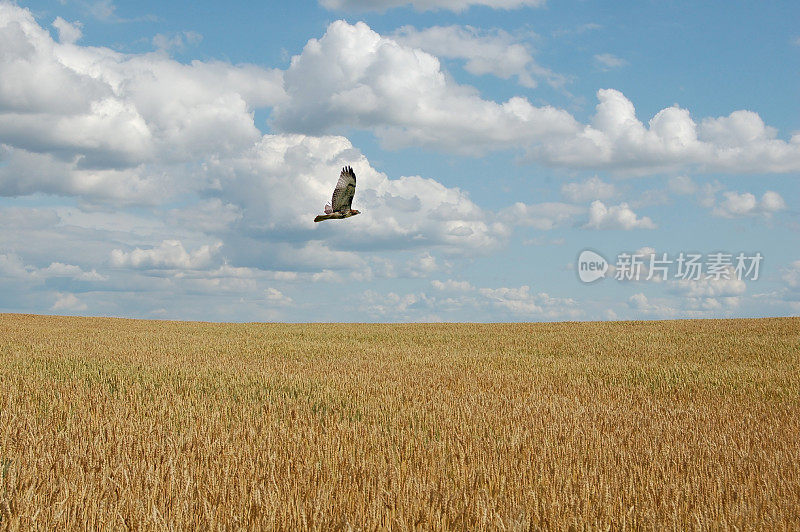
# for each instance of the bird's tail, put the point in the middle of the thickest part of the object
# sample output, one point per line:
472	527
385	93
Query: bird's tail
322	217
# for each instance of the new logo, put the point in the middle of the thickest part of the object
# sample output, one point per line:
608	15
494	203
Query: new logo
591	266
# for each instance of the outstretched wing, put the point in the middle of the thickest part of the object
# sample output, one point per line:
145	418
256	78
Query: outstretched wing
345	190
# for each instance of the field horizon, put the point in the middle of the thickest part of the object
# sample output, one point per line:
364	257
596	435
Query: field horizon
128	423
221	322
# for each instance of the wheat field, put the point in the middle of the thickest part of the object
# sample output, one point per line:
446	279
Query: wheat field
111	423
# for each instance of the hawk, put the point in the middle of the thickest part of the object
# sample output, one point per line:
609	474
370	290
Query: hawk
342	200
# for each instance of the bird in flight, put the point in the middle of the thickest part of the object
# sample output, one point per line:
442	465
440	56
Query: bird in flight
342	200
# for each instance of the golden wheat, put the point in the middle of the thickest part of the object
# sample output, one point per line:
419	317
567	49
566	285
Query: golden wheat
109	423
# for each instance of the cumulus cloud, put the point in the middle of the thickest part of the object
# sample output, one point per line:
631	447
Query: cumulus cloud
275	183
395	305
644	306
616	217
170	254
422	265
68	32
616	139
497	53
68	302
737	205
593	188
711	293
103	9
353	76
96	123
791	274
176	41
58	269
452	285
89	121
276	297
144	128
541	216
707	292
13	267
426	5
609	61
661	307
514	303
727	285
732	204
638	301
521	301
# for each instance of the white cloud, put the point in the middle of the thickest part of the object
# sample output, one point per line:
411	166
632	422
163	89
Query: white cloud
593	188
513	302
422	265
496	52
726	286
177	41
517	300
684	307
13	267
616	139
541	216
521	301
169	254
426	5
116	128
638	301
58	269
737	205
609	61
791	274
209	216
353	76
452	285
787	297
771	202
68	302
283	181
707	194
103	9
394	305
682	185
107	126
276	297
93	122
643	305
616	217
68	32
326	276
711	293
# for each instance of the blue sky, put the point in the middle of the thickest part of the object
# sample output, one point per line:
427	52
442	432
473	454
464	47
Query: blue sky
166	160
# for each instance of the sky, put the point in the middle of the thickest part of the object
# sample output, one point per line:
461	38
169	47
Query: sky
517	160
